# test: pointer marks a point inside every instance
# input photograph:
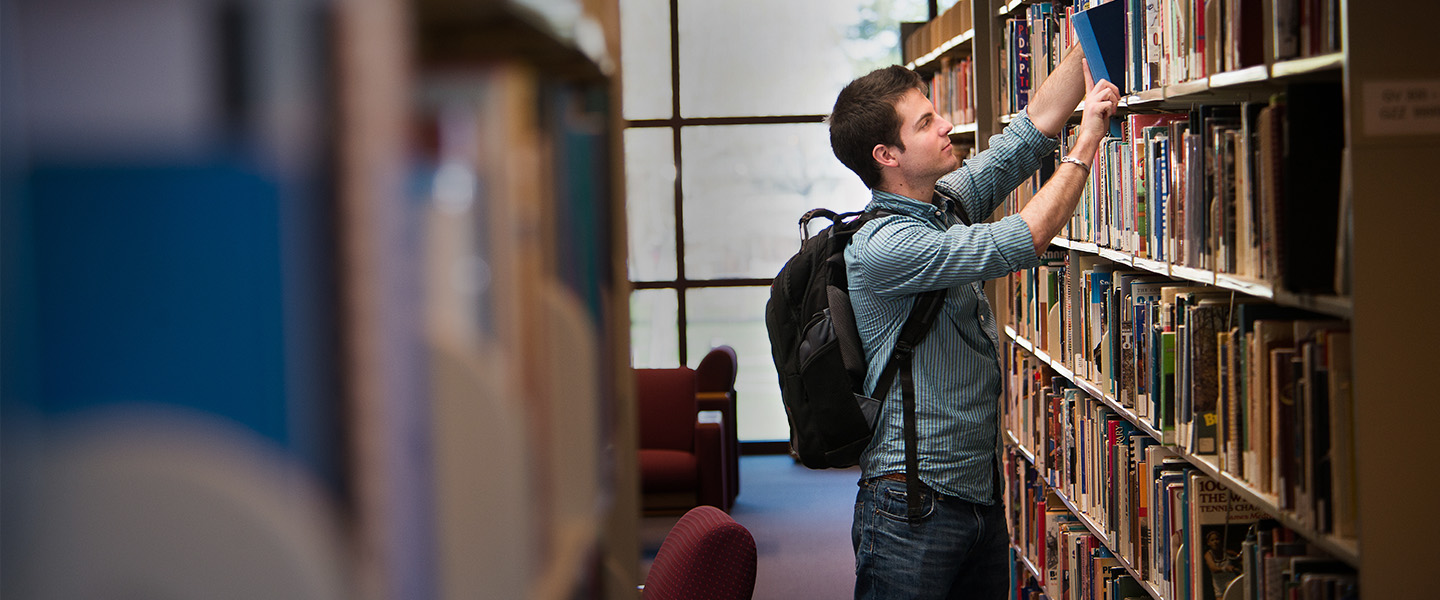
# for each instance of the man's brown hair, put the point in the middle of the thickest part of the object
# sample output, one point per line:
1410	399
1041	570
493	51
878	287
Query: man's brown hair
865	115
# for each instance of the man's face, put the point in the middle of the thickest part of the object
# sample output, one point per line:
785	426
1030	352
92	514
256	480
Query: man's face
926	137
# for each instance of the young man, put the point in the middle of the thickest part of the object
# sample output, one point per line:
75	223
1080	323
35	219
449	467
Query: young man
886	130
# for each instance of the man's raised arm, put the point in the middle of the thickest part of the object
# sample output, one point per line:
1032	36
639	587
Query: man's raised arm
1058	96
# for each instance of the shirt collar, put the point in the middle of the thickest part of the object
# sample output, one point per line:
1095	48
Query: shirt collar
898	204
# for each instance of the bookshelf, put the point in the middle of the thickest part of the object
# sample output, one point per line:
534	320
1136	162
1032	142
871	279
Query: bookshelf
481	232
1368	71
317	272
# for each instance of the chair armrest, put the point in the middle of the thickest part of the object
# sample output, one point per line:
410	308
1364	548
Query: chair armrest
720	401
710	457
725	403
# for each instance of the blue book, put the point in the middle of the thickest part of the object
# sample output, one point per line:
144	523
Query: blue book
1159	181
1101	31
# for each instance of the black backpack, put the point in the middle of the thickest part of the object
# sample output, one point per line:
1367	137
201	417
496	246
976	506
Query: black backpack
818	356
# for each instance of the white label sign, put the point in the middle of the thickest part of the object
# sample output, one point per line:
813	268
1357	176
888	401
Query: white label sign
1402	107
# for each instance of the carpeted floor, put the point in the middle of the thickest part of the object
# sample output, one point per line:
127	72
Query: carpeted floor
800	519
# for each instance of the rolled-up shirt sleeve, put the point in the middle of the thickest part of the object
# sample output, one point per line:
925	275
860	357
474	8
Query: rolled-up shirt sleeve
904	255
1014	154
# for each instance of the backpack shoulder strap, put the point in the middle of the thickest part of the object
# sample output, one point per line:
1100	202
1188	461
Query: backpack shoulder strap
917	325
957	208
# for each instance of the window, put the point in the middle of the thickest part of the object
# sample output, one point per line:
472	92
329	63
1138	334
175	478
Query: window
725	147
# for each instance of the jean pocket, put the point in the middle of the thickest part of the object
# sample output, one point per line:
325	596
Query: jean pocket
893	502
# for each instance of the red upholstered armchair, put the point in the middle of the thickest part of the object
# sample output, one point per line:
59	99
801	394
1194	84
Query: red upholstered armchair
715	383
706	555
681	459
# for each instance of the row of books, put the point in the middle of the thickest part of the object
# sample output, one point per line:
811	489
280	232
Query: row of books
1195	540
1072	562
952	89
1260	390
1034	42
1156	43
927	37
1151	43
1252	190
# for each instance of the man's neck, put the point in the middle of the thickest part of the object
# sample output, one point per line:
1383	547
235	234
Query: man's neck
917	191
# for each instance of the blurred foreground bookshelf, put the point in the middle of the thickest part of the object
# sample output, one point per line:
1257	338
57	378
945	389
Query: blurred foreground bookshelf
484	298
311	299
1230	325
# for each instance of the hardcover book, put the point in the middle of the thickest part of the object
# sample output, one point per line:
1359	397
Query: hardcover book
1144	298
1342	434
1206	320
1101	33
1143	128
1021	47
1131	388
1262	328
1056	521
1216	532
1282	419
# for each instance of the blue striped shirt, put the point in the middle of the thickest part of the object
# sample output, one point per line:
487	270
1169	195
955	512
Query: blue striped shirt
958	380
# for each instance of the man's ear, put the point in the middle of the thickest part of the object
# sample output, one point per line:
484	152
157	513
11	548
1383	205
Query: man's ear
885	155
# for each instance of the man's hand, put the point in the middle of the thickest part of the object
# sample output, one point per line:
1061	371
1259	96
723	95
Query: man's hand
1052	206
1101	102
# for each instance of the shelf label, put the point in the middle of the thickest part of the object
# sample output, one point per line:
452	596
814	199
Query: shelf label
1402	107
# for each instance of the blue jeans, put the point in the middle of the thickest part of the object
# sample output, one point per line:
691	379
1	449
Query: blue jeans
958	549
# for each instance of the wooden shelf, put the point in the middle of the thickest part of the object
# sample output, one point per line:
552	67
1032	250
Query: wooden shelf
1029	566
1327	304
1193	274
1189	87
1239	80
1145	97
1245	285
1335	306
1309	65
965	129
1153	266
958	41
1255	74
1344	549
1010	7
1117	256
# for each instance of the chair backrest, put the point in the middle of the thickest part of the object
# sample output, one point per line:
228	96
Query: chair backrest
666	398
716	372
706	555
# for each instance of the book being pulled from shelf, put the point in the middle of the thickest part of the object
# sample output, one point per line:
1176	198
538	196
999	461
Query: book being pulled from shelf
1100	31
